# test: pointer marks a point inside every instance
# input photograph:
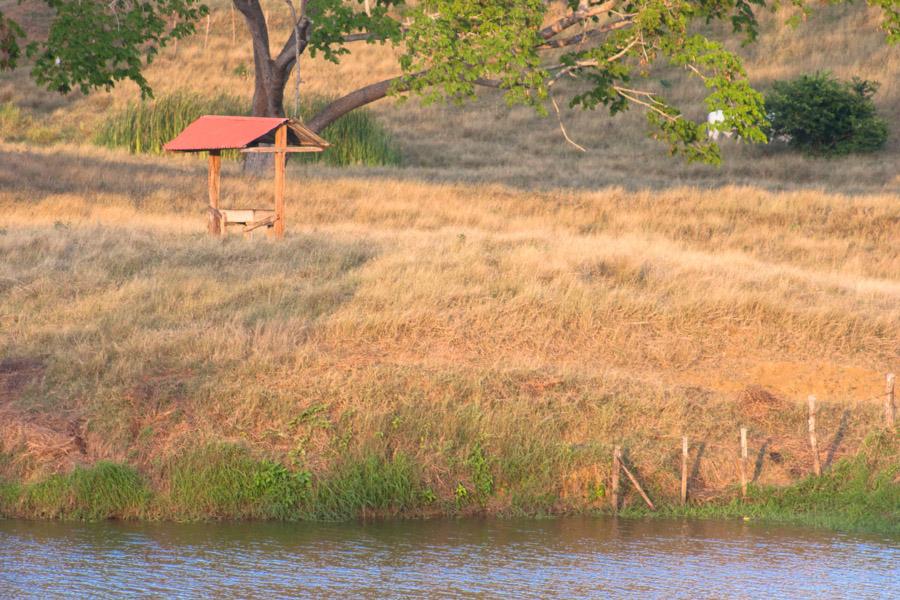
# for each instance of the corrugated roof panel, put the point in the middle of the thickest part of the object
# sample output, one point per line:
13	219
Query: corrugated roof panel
213	132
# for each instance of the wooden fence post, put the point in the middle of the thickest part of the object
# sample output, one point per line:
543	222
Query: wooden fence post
743	462
280	145
637	486
813	443
889	401
215	166
684	469
616	468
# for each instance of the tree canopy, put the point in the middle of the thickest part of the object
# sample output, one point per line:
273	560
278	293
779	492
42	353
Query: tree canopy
448	49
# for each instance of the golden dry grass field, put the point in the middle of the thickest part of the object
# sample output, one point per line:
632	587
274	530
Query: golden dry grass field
499	294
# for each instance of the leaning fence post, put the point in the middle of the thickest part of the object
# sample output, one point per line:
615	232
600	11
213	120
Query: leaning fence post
813	443
637	486
684	469
743	462
889	401
616	468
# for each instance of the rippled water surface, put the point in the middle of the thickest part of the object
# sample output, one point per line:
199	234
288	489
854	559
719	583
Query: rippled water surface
553	558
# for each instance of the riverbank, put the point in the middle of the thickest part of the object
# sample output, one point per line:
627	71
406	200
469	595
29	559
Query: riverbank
416	348
859	493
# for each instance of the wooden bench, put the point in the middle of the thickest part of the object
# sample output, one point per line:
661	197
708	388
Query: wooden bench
250	218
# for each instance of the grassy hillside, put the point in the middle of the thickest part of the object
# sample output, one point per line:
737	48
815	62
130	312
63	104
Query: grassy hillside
471	332
496	343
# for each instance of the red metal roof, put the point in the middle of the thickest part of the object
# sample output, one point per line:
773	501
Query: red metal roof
212	132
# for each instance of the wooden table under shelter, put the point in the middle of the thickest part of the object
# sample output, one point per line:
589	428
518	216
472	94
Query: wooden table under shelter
212	133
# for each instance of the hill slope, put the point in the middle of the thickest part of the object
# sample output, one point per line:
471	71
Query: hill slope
472	332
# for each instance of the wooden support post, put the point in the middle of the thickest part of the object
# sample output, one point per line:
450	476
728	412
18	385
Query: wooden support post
684	469
743	462
616	468
215	167
889	401
638	487
813	443
280	145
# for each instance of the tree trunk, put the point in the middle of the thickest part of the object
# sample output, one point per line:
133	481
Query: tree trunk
270	78
268	90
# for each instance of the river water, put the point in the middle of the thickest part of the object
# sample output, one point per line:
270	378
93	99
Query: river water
565	558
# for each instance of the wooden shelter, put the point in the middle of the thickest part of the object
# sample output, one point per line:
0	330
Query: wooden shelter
213	134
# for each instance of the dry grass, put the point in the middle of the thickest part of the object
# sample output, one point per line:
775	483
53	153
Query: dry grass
421	318
499	289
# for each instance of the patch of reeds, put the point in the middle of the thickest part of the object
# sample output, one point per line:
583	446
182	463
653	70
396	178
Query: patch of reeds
145	126
226	481
357	138
104	490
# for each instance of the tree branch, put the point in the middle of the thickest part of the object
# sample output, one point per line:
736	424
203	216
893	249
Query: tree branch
379	90
548	32
366	95
578	16
290	50
586	36
351	101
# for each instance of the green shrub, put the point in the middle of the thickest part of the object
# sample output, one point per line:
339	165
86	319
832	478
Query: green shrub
13	122
143	127
482	478
821	115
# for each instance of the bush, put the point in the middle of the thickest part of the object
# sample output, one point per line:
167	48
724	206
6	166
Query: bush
824	116
143	127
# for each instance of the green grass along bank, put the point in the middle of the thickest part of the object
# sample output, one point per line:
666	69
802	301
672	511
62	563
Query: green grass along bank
225	481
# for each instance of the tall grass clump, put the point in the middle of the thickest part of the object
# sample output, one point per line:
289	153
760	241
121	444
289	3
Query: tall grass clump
145	126
225	481
357	139
105	490
371	484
